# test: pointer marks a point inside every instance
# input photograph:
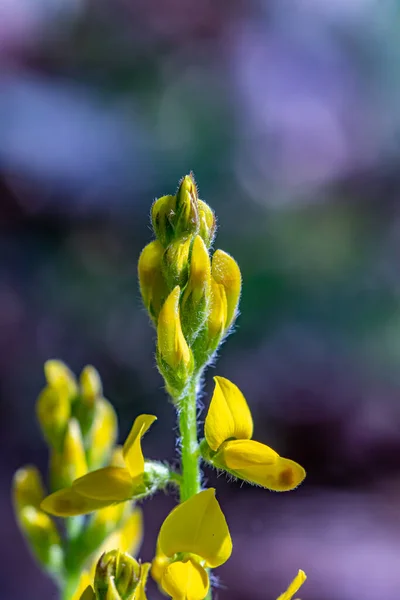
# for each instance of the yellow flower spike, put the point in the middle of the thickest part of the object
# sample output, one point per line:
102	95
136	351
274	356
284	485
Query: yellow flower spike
294	586
228	429
151	279
228	416
132	449
90	384
61	378
70	463
85	581
28	488
226	272
103	433
185	580
197	526
171	343
53	409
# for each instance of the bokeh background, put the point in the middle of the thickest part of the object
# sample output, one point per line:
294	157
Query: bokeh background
288	113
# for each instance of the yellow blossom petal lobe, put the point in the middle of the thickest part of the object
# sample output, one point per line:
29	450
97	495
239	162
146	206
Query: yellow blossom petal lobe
198	526
132	450
68	503
294	586
185	580
113	484
243	454
282	476
228	416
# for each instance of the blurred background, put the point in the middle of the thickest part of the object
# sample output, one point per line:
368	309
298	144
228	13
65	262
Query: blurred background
288	113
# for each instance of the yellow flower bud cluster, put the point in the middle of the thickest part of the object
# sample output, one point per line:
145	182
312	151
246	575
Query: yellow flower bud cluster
192	297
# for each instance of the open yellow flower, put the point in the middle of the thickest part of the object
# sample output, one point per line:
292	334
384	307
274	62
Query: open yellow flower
194	536
228	431
294	586
106	486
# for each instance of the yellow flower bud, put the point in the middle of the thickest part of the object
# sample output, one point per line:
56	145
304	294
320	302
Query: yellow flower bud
28	488
226	272
91	386
294	586
196	297
61	378
151	279
207	223
175	262
42	535
53	410
70	463
103	434
162	213
117	576
175	359
186	217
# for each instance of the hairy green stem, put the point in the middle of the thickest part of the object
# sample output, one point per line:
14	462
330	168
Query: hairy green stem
190	483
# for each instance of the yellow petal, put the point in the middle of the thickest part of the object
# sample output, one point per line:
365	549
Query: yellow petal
218	311
102	434
88	594
140	593
198	526
113	484
282	476
226	272
68	503
159	564
243	454
60	377
294	586
185	580
91	386
171	342
84	582
151	280
27	487
228	415
132	450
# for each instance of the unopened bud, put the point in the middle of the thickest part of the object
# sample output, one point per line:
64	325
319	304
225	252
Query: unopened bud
226	272
28	488
175	262
174	356
196	297
117	576
186	216
103	434
207	222
90	384
61	378
162	213
53	410
42	536
70	463
151	279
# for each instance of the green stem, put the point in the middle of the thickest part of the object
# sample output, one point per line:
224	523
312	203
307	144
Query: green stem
190	483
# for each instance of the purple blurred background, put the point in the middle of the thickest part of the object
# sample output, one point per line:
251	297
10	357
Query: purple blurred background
288	113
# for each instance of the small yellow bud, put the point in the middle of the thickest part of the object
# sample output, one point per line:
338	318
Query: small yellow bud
172	345
70	463
196	297
162	213
207	223
103	434
90	383
151	279
53	410
28	488
43	537
60	377
117	576
226	272
175	262
186	217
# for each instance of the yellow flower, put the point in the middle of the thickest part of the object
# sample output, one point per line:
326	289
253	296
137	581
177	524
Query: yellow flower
226	272
194	536
294	586
228	431
106	486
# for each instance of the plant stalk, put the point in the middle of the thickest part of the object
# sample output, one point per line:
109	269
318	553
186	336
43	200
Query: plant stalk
190	483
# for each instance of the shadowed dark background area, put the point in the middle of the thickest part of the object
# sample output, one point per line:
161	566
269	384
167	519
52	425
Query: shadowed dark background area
288	113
